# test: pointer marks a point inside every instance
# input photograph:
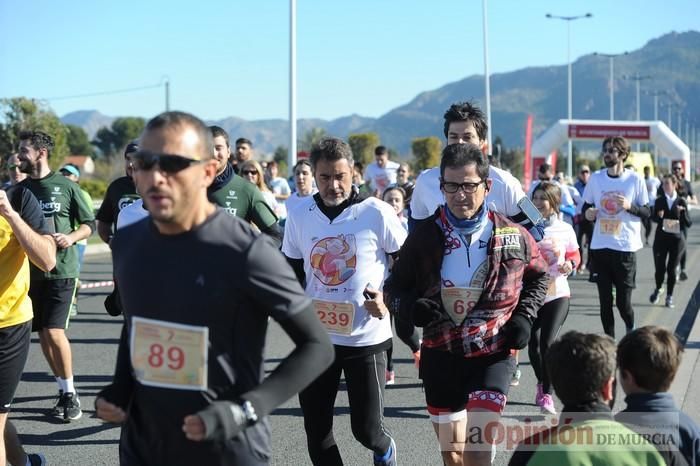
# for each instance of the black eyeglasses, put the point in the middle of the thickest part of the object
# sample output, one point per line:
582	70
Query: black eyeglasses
452	188
249	172
584	171
167	163
13	167
610	150
677	168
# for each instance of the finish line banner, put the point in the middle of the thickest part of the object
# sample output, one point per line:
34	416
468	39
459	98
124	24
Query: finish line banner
603	131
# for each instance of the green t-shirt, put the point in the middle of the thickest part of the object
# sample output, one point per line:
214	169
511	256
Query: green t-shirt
242	199
594	442
65	208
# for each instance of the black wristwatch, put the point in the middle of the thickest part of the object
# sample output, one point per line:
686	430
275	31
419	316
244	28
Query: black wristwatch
249	412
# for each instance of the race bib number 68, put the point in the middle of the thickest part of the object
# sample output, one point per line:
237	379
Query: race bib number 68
169	355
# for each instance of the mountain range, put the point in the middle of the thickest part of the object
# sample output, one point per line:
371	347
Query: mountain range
672	62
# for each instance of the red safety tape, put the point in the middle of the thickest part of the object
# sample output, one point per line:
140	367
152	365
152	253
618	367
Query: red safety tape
84	286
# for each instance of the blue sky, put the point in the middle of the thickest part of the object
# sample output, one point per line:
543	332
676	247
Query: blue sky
230	57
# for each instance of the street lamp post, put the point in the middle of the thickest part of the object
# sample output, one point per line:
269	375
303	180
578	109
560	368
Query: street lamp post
487	85
569	19
611	56
638	79
656	95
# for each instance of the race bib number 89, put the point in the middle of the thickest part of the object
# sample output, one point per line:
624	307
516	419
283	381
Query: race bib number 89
169	355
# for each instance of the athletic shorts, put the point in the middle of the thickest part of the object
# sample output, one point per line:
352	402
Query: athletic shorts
449	380
51	300
14	348
617	267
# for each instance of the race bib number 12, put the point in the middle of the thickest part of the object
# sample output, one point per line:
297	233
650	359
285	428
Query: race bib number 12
610	226
169	355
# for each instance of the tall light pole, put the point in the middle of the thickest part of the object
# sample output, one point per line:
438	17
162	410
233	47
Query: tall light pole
292	155
611	56
569	19
638	79
487	85
656	95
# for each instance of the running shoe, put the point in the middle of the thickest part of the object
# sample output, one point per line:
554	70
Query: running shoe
538	394
515	380
71	407
36	459
669	302
654	298
57	409
390	377
389	458
547	404
683	276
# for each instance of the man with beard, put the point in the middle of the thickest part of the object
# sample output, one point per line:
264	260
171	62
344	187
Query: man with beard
120	193
616	200
70	219
237	196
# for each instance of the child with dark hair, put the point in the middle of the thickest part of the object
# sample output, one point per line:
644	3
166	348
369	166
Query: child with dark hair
648	359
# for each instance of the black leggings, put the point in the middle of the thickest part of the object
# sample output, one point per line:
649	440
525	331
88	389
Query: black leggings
545	329
616	268
408	334
364	378
671	247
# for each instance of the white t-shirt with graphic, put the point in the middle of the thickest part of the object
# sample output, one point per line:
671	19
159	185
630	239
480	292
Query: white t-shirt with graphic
503	197
559	239
132	213
615	228
379	178
464	269
340	259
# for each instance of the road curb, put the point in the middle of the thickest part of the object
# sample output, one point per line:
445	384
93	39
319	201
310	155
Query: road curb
687	382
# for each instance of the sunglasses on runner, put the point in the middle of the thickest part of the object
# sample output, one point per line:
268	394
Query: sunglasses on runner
168	163
13	167
249	172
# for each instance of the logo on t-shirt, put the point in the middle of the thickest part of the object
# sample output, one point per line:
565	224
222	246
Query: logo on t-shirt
126	201
608	204
50	207
333	259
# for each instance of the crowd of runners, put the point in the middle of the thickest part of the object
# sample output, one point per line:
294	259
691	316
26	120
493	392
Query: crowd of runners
465	265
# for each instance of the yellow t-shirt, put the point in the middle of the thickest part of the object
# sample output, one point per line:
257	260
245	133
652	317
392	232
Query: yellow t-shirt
15	305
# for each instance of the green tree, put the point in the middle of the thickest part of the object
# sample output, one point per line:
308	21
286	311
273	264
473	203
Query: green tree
124	130
280	154
311	138
513	160
363	145
78	141
20	114
426	153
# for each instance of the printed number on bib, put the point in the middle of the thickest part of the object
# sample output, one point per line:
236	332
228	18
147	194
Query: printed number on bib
671	226
336	317
169	355
458	302
610	226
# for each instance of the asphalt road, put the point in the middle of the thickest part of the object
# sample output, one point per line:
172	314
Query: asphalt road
94	336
